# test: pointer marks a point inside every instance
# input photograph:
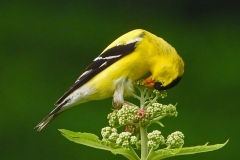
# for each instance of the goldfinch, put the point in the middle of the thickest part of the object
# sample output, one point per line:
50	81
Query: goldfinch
124	61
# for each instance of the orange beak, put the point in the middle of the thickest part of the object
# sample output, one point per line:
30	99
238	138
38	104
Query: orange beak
149	82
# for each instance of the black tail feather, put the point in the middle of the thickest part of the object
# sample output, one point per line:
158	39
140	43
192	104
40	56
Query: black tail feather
52	115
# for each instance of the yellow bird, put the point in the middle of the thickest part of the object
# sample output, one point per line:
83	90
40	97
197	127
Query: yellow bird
124	61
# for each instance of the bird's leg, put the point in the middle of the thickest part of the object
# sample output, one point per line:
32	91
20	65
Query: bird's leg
115	105
119	91
118	105
118	99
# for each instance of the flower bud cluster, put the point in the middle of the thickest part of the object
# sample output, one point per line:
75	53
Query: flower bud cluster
161	94
126	114
175	140
160	110
124	139
130	114
141	117
112	118
109	135
155	139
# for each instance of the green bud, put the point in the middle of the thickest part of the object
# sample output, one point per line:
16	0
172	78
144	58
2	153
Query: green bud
113	119
175	140
113	137
107	131
171	110
133	140
123	140
152	144
126	114
141	117
125	144
125	135
155	139
109	135
160	110
161	94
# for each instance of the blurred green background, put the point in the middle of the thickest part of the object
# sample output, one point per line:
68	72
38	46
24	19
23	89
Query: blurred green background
45	45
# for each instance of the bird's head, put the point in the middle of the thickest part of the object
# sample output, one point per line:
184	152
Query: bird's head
166	72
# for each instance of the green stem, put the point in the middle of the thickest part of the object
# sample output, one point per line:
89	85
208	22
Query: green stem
137	97
150	153
142	98
134	153
152	101
143	128
144	140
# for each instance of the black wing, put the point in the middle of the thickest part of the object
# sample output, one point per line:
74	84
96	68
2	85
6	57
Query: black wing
100	63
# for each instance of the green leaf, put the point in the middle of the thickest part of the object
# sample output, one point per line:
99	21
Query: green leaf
92	140
127	153
165	153
87	139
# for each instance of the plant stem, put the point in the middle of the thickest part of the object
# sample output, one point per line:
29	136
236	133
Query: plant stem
144	140
142	98
137	157
143	128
